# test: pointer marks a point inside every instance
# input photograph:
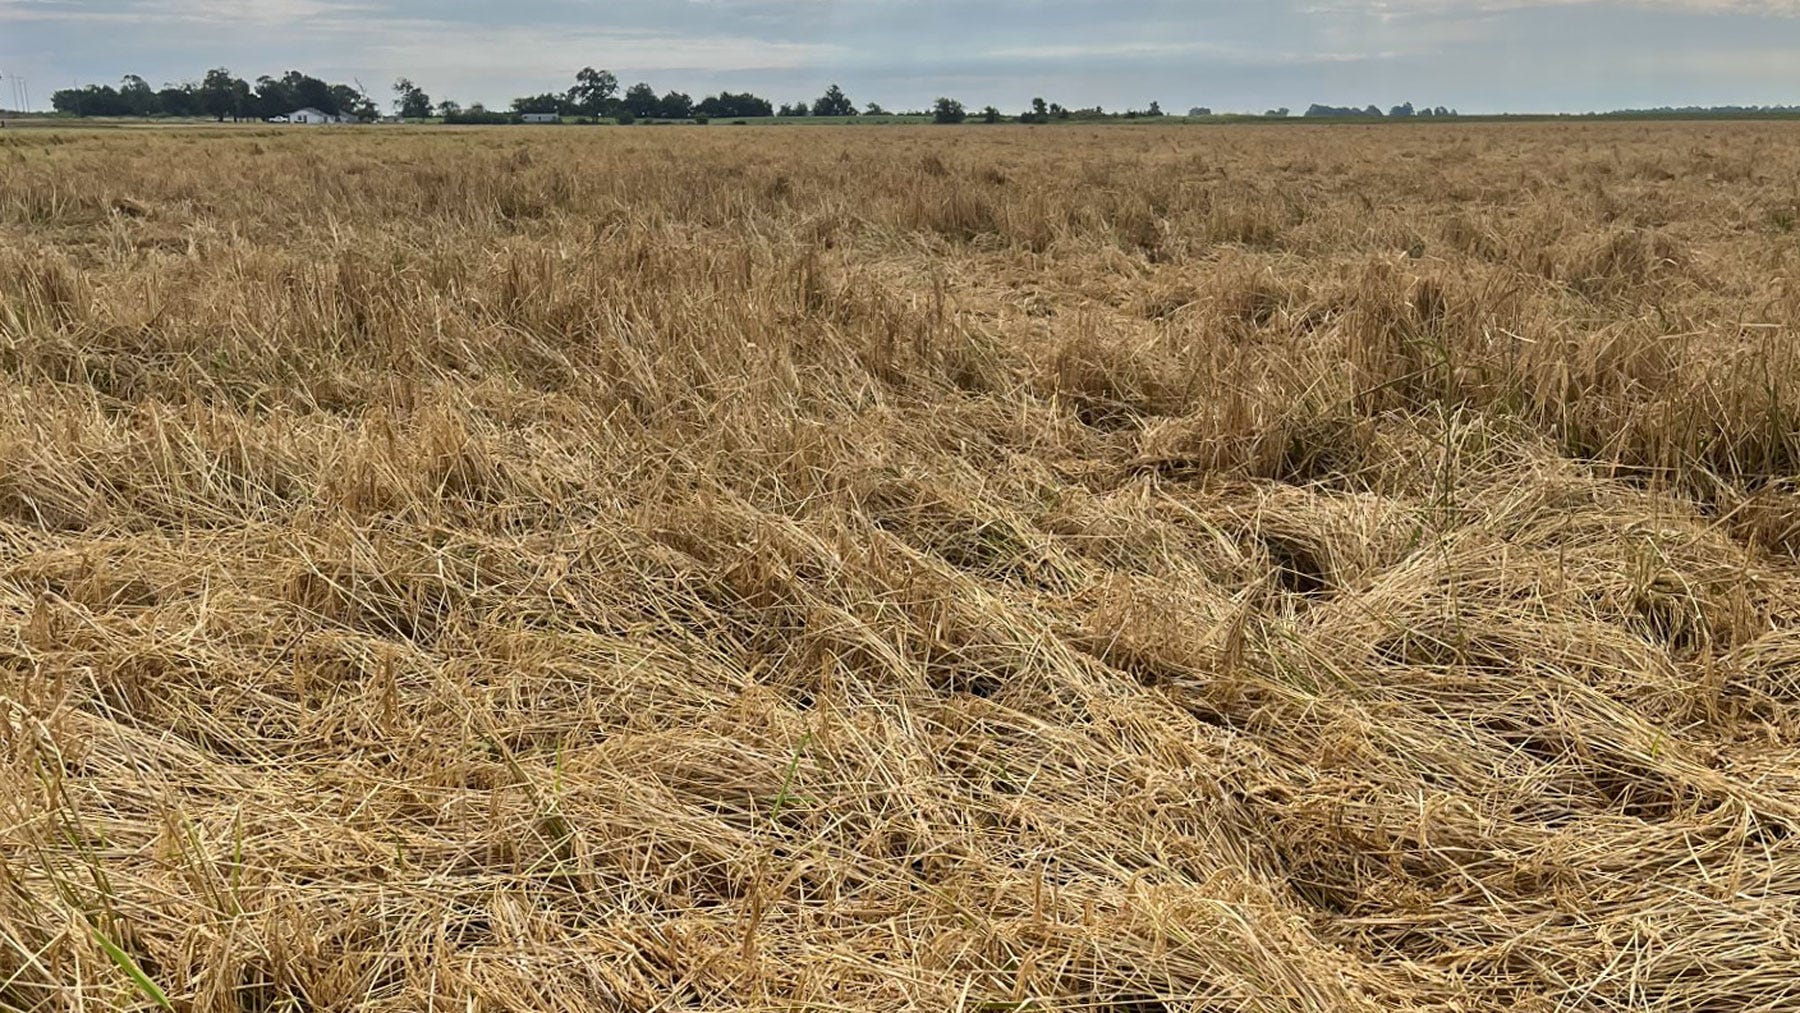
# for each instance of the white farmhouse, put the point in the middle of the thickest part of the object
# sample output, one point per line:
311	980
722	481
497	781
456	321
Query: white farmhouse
313	116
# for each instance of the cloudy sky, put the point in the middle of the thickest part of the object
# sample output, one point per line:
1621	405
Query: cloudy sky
1476	55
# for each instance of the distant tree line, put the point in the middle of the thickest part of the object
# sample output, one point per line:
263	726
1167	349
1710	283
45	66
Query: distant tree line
222	95
596	94
218	94
1749	111
1402	111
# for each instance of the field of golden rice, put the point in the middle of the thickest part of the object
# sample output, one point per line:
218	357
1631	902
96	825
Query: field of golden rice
1131	569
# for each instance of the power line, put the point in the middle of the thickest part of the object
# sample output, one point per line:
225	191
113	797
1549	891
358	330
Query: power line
20	90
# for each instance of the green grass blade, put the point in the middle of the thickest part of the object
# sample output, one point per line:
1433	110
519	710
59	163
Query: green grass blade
149	988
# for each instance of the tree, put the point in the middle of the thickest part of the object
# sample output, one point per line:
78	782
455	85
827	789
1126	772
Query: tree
351	102
548	102
478	114
273	98
948	110
178	100
641	100
410	100
834	103
136	96
93	100
1155	108
243	104
1317	110
726	104
448	108
874	109
1402	111
311	92
221	94
675	106
990	114
752	105
278	96
593	92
